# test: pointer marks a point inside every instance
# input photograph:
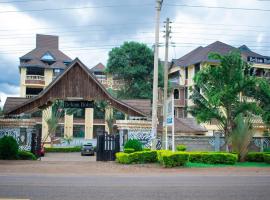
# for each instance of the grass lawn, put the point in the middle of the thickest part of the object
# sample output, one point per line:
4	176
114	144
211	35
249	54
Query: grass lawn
242	164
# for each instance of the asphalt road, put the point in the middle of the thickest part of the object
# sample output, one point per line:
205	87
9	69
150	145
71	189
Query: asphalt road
135	187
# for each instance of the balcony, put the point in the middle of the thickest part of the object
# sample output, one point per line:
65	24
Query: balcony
34	79
179	102
29	96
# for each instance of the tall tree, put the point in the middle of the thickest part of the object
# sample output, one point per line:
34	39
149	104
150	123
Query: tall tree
223	92
133	63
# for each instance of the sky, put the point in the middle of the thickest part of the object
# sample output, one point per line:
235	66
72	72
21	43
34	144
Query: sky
89	29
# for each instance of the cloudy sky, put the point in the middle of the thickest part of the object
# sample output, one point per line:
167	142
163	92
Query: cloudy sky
88	29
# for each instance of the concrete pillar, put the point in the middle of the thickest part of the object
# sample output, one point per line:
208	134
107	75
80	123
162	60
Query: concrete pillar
108	114
68	129
89	123
44	132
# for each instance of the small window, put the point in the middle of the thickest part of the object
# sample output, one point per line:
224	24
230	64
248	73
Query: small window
47	57
186	72
176	94
197	68
23	136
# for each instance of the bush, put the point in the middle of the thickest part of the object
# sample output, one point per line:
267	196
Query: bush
146	149
181	147
8	148
255	157
62	149
137	157
213	158
129	150
173	159
266	150
133	144
266	158
26	155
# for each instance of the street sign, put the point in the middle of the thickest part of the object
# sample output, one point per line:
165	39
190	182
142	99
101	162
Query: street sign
78	104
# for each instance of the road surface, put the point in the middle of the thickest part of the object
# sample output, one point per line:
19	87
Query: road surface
173	186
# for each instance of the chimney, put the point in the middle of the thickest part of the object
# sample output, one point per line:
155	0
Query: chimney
47	41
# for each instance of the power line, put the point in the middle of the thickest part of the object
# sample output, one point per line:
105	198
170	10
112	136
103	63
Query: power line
219	7
75	8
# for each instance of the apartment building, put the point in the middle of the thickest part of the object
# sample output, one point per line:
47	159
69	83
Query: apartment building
41	66
183	70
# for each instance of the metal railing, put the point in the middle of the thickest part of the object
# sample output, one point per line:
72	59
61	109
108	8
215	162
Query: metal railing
29	96
35	77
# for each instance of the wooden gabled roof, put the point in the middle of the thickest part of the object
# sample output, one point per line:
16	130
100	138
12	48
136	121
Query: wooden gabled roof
75	82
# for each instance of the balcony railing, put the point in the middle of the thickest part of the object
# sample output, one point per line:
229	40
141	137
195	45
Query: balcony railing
29	96
179	102
35	77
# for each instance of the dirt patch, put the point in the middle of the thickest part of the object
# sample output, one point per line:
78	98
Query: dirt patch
103	168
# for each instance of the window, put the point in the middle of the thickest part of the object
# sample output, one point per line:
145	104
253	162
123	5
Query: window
197	68
186	93
176	94
78	131
59	131
186	72
57	72
47	57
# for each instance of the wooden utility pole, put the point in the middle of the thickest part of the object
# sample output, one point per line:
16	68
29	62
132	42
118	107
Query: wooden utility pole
155	78
165	91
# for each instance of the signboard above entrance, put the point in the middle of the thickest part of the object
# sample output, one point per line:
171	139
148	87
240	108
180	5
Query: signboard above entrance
78	104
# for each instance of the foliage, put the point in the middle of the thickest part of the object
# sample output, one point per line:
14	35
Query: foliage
212	158
181	147
255	157
68	139
173	159
238	164
26	155
241	136
266	150
266	158
129	150
225	89
8	148
146	149
52	116
137	157
133	63
63	149
133	144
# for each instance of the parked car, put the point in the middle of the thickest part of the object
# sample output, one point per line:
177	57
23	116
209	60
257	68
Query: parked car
88	149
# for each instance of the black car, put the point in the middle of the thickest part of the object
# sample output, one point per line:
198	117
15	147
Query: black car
87	149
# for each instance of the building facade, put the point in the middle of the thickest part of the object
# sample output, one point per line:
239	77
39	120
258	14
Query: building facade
183	70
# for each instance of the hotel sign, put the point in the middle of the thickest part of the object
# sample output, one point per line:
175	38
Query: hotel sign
78	104
260	60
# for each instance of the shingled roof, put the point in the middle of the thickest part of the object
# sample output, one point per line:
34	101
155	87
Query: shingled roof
200	54
98	68
12	102
45	44
142	104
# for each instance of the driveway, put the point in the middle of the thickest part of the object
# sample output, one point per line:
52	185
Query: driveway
73	157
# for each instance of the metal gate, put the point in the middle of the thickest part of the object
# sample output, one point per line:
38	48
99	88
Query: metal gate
107	146
36	141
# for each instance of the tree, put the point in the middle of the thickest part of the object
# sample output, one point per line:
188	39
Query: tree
242	135
52	116
224	93
133	63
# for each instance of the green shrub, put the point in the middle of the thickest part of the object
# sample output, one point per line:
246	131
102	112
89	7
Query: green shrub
129	150
123	158
146	149
26	155
133	144
266	158
255	157
8	148
137	157
213	158
62	149
173	159
267	150
181	147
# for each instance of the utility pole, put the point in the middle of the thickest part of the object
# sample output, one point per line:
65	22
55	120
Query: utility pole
155	78
165	92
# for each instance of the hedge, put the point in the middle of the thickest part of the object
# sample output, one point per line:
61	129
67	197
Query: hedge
137	157
129	150
25	155
266	158
255	157
8	148
62	149
213	158
173	159
134	144
181	147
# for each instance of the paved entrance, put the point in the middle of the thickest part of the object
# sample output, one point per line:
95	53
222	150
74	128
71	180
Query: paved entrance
74	157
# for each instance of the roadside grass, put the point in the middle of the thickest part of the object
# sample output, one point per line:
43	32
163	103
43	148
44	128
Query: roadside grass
238	164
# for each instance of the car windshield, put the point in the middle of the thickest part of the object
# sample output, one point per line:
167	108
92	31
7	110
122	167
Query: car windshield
88	145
